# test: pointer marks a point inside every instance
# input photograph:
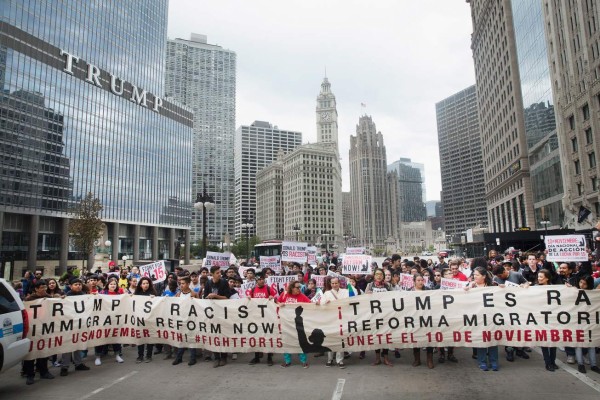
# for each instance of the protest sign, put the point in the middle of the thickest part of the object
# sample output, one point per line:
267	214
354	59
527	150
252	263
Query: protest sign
355	250
317	297
566	248
245	289
279	283
242	271
311	255
342	278
219	259
407	282
549	316
452	284
320	280
273	262
511	284
357	264
155	271
293	252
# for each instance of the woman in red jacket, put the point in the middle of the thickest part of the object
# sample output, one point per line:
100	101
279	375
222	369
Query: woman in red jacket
112	288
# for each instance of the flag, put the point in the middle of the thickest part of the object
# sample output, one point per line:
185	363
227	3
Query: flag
351	291
582	214
363	105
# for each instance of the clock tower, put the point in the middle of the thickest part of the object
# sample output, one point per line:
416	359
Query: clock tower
327	116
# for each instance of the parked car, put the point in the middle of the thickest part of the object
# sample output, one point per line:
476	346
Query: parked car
14	345
426	253
443	254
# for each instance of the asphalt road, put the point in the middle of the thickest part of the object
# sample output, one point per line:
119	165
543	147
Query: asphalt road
161	380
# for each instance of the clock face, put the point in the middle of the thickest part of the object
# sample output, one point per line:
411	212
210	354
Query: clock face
326	116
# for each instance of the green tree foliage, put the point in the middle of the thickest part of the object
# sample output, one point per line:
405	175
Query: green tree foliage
85	225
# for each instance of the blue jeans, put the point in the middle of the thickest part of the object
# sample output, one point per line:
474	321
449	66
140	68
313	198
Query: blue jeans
491	353
287	357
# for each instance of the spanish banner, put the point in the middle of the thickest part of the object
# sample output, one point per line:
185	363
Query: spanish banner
481	317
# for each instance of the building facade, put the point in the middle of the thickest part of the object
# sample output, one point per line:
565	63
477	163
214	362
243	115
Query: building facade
269	201
461	162
256	147
573	41
202	76
507	177
347	213
410	190
78	116
327	116
368	185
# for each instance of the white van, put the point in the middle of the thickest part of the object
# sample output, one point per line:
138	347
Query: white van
14	345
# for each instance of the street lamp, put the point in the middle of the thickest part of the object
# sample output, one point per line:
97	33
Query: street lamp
296	229
124	258
326	234
204	202
247	225
545	223
107	244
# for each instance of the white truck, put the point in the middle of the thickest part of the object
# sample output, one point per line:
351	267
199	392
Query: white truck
14	344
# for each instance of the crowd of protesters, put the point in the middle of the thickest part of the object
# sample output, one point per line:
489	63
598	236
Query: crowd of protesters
493	270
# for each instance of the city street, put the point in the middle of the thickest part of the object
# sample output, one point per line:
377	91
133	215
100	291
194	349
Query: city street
160	380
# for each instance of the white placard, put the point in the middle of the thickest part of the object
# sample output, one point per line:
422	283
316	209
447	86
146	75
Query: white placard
293	252
566	248
357	264
452	284
355	250
155	271
220	259
273	262
311	255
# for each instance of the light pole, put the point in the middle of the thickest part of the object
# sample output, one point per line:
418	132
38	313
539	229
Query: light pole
247	225
326	234
107	244
124	258
346	237
545	223
296	229
204	202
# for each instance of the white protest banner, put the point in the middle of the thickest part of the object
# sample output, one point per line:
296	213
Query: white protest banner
279	283
355	250
218	259
317	297
320	280
356	264
549	316
452	284
566	248
273	262
293	252
245	289
407	282
311	255
155	271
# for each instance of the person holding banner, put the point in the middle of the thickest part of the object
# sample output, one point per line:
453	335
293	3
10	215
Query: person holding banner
333	292
419	285
549	353
217	289
482	278
293	295
261	291
586	283
379	285
113	289
145	288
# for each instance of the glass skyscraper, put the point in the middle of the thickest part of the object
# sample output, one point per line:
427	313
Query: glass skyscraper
82	110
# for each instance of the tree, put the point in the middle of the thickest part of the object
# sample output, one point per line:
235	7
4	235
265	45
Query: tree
85	225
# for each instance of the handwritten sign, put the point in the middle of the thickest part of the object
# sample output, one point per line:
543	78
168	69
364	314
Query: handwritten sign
355	251
407	282
279	283
311	255
452	284
273	262
219	259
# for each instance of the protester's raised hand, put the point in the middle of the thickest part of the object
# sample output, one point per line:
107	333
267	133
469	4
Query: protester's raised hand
299	311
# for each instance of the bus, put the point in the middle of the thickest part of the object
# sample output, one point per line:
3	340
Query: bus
267	248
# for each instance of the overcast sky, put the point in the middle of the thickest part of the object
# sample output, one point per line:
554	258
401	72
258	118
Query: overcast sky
399	57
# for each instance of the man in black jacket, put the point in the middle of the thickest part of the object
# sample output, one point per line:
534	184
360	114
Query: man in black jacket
217	289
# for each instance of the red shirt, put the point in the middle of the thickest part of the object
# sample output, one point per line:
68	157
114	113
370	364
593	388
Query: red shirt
293	298
261	293
460	276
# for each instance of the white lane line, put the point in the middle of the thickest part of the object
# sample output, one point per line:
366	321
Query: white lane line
582	377
339	389
121	379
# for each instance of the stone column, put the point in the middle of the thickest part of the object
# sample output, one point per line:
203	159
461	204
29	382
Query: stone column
155	231
136	243
34	228
115	243
172	239
64	246
187	246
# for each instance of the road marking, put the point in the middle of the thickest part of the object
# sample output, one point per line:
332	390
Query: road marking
121	379
339	389
582	377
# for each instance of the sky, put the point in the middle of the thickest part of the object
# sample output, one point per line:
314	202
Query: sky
399	57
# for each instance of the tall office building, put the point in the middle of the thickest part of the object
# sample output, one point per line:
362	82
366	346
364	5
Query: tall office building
269	201
256	146
461	163
347	213
368	185
202	76
574	53
82	110
410	190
